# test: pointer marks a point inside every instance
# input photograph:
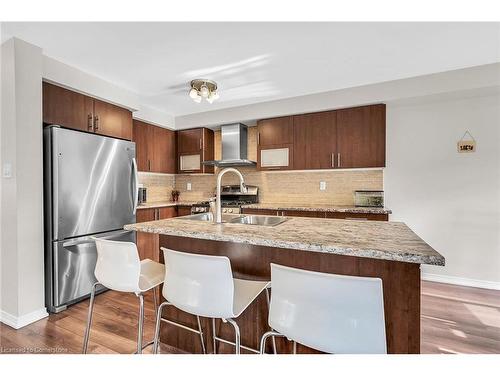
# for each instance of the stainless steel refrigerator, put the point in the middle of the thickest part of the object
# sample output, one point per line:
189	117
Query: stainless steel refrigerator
90	188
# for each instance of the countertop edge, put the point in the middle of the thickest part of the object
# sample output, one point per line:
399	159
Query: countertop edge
353	209
365	253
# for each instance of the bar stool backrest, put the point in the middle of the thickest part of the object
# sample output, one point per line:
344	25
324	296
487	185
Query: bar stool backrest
118	266
199	284
330	313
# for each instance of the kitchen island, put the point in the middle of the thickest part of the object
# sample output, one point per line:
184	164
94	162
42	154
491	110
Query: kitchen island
388	250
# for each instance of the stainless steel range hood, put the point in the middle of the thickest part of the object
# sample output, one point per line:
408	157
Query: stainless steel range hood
234	147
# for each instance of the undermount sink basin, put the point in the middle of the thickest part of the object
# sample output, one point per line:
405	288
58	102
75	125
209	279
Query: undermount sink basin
268	221
207	216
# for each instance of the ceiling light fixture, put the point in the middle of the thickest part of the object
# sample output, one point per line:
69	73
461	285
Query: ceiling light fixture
203	88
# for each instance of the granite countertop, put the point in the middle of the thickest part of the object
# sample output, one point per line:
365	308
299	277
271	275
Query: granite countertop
167	204
319	207
370	239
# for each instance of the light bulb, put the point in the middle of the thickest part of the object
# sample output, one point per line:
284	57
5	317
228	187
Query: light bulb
204	91
193	93
210	98
197	99
215	95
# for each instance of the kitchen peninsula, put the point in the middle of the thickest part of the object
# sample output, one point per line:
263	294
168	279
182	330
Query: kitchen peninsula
388	250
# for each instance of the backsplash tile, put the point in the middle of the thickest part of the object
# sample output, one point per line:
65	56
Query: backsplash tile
159	186
297	187
290	187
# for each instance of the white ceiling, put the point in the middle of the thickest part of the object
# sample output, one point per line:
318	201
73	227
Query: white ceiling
257	62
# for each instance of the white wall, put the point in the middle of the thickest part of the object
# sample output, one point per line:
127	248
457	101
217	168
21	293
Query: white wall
451	200
75	79
479	77
22	256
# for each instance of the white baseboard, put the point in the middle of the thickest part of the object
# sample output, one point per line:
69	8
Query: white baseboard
17	322
485	284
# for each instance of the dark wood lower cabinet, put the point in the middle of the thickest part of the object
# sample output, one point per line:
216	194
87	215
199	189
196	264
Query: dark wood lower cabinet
148	243
401	285
183	210
318	214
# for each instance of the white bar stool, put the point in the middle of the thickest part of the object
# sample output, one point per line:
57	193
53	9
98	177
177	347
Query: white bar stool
327	312
203	285
118	268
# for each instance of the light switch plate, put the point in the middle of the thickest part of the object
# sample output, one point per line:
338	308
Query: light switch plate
188	187
7	170
322	185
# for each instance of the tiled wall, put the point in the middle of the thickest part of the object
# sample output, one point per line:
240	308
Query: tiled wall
274	187
158	185
289	186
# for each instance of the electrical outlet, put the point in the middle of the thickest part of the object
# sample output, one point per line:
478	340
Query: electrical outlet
188	187
322	185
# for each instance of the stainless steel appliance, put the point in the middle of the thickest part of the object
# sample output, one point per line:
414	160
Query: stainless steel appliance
369	198
231	199
90	188
234	147
143	195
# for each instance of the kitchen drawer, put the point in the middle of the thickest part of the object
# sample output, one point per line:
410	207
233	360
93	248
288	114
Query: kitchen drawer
357	216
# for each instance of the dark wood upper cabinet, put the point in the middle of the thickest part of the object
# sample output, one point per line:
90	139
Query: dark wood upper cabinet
142	135
346	138
77	111
194	146
112	120
164	150
155	148
315	140
275	131
361	137
275	144
190	140
67	108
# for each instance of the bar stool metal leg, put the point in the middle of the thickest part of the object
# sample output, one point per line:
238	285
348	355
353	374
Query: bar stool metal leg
89	318
155	299
214	341
268	307
237	334
272	334
157	327
201	335
141	323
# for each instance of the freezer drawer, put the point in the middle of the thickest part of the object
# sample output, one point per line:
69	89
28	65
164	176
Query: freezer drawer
73	265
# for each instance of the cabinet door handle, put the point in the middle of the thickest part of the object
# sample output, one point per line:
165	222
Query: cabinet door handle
89	123
338	160
200	144
258	138
96	123
149	165
333	160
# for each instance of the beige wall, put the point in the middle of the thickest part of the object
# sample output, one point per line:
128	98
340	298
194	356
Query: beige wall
285	186
159	186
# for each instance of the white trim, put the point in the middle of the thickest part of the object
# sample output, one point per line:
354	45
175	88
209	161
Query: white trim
485	284
17	322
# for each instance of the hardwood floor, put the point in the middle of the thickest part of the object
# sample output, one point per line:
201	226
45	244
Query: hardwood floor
457	319
454	319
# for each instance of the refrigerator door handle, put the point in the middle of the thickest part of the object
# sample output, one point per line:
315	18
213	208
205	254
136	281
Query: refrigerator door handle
135	189
77	242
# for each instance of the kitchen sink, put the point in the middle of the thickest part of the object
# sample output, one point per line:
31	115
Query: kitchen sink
207	216
268	221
